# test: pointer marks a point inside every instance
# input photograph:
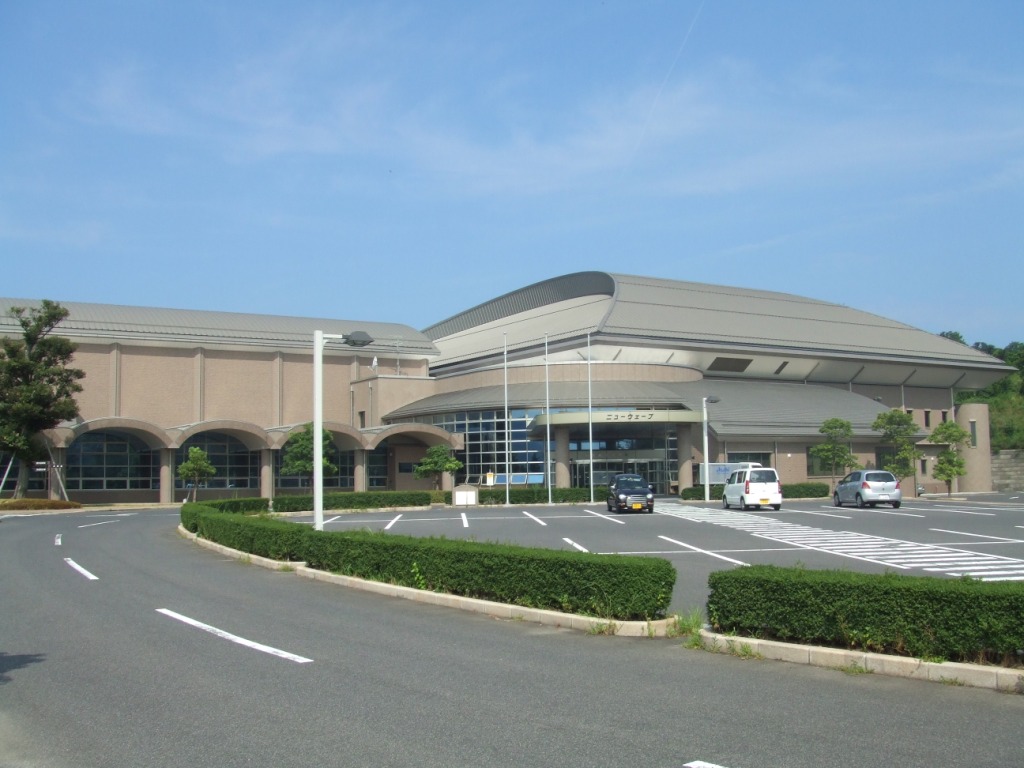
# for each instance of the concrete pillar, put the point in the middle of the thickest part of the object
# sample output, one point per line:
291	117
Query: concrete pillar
266	473
167	475
562	477
684	450
58	473
359	470
973	417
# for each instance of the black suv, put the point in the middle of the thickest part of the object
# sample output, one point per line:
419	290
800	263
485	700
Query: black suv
630	493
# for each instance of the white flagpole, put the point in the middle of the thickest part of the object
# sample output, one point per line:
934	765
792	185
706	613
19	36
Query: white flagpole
508	427
547	414
590	420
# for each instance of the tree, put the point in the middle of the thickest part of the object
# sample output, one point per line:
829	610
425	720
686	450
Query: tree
950	464
298	454
437	461
835	451
37	386
196	469
954	336
898	431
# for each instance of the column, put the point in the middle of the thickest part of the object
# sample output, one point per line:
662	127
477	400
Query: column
267	473
359	470
562	478
684	450
166	475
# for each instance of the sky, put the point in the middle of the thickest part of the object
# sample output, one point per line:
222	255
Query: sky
404	161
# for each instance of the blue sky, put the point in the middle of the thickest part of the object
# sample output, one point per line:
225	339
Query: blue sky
402	161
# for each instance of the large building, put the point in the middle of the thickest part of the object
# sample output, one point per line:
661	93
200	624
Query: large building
565	381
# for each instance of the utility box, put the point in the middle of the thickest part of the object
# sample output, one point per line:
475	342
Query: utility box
464	496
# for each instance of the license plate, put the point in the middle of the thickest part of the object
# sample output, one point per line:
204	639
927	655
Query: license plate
638	506
764	501
883	496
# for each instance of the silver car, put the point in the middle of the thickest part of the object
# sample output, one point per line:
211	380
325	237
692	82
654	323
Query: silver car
868	487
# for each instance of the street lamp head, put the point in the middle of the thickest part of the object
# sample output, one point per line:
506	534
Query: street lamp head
358	339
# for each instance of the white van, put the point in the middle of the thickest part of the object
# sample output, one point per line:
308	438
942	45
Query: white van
753	487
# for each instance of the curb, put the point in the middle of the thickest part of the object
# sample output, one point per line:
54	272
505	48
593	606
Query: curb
1003	679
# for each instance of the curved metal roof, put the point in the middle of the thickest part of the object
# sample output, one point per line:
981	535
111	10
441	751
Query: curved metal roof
744	408
180	327
731	331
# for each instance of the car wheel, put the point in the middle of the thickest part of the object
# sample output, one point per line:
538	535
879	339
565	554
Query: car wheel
835	500
776	507
725	503
896	504
743	503
860	502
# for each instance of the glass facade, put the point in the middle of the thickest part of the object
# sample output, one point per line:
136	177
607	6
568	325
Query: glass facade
236	465
343	477
111	461
647	449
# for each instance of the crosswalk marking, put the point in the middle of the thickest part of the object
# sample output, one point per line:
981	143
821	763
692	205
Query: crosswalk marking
892	553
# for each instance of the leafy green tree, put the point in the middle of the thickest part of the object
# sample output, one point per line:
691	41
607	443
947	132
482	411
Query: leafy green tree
835	451
898	432
437	461
950	463
196	469
954	336
298	454
37	386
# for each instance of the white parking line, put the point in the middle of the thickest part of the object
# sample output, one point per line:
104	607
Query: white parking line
572	543
604	517
234	638
56	540
535	519
978	535
395	520
104	522
703	551
80	569
465	520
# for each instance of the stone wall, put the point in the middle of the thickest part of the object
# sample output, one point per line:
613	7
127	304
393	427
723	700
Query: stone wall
1008	471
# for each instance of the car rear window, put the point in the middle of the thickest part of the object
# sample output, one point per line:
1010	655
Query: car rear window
880	477
763	476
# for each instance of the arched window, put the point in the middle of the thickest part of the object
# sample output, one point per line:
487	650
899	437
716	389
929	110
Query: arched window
108	460
236	465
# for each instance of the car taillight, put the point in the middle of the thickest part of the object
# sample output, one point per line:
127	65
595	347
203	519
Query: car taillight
865	486
897	485
746	487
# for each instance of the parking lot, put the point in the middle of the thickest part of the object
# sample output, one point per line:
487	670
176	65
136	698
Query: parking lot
979	536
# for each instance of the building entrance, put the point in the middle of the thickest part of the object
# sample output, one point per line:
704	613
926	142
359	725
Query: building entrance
656	471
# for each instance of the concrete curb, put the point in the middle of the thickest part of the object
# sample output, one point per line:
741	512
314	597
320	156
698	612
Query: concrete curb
1005	679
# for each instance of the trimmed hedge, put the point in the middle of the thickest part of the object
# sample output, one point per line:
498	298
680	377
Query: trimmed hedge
355	500
919	616
789	491
615	587
538	494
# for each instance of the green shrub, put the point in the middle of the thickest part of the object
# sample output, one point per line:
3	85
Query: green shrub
920	616
789	491
615	587
355	500
37	504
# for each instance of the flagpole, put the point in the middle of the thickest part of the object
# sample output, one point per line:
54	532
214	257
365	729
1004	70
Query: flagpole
508	426
590	420
547	414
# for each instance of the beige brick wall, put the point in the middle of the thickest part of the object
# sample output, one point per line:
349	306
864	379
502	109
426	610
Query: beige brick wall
240	386
158	385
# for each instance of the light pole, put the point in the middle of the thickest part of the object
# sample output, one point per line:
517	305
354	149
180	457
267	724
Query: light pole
354	339
707	469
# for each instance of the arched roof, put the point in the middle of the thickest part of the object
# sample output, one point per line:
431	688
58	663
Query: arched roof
157	326
724	331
